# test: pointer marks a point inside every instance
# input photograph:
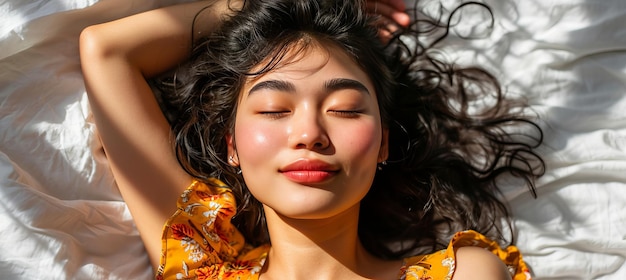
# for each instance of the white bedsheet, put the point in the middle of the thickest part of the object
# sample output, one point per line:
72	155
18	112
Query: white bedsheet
62	217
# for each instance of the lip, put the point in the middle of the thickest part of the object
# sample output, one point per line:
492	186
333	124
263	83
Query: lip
309	171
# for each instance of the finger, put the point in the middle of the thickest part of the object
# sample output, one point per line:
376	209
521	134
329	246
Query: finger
401	18
388	25
384	35
385	9
386	29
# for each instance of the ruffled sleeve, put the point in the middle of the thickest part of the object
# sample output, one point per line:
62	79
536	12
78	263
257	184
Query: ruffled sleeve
199	241
441	264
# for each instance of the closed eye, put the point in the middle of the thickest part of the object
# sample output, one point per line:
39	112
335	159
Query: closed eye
274	114
345	113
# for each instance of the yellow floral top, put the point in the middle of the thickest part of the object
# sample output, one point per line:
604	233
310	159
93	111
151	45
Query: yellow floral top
199	242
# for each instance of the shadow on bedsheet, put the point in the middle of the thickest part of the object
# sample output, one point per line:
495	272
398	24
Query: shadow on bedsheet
568	59
62	215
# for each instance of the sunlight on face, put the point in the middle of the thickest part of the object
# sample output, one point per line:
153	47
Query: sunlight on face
309	135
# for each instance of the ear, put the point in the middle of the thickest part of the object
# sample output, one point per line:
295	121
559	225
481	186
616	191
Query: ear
383	153
233	159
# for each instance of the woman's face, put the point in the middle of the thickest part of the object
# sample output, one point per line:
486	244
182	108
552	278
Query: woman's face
308	135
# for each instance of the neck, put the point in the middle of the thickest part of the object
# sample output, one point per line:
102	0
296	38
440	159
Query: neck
320	249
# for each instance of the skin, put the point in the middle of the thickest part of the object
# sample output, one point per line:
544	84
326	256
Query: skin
116	60
310	121
392	16
291	115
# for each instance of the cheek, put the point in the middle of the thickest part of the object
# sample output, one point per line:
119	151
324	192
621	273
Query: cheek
361	140
255	141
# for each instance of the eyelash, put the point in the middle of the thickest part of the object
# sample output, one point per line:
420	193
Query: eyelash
346	113
338	113
274	114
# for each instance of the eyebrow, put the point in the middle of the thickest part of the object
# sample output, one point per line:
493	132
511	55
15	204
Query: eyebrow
338	84
273	85
330	85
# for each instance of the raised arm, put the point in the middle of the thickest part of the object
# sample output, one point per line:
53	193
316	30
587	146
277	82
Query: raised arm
116	58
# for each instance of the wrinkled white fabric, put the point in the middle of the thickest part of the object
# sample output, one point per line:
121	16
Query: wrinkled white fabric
62	217
568	58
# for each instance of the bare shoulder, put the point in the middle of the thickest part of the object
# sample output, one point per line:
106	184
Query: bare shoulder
478	263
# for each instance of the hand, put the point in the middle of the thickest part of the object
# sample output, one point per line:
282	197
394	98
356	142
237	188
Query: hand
392	14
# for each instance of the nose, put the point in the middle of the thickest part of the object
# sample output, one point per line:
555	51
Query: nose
308	131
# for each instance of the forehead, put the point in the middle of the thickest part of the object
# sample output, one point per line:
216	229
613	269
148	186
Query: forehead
307	59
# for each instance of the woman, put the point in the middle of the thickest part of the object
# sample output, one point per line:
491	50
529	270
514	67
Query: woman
347	156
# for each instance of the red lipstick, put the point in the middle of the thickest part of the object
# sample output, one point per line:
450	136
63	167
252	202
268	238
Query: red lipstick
308	171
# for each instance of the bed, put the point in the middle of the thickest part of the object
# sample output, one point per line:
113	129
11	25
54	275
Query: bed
62	217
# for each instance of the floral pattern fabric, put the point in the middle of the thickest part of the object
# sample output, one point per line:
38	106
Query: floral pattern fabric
199	242
441	264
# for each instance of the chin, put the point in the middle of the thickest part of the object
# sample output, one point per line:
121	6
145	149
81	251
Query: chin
313	210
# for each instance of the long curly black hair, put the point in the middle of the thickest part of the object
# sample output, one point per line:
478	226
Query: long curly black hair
446	155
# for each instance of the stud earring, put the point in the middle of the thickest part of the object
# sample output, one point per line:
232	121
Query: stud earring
382	164
232	161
